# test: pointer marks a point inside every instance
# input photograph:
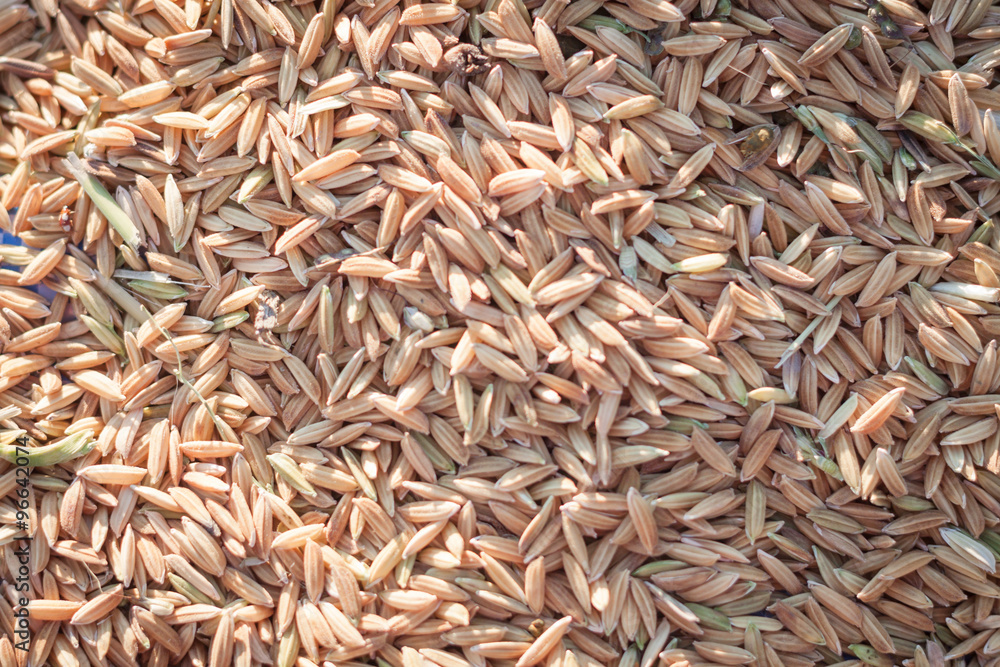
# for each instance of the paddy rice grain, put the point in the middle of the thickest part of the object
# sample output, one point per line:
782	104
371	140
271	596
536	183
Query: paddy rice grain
500	332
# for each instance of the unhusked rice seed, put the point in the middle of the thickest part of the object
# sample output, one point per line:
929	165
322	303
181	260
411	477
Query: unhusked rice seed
499	332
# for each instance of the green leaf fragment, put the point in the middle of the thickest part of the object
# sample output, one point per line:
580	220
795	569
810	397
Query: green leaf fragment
61	451
117	218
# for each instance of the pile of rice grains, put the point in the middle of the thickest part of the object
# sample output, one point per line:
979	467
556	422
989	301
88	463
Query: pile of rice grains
500	332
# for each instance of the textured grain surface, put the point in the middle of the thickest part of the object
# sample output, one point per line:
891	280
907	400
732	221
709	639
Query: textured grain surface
454	334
